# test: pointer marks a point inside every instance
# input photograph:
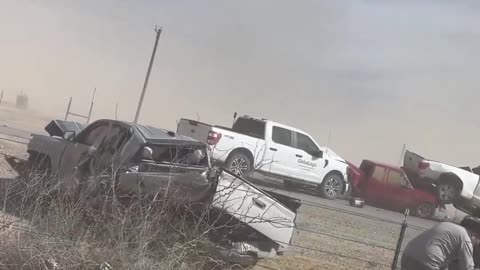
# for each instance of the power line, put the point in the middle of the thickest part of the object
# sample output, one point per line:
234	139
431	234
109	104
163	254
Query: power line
334	254
345	239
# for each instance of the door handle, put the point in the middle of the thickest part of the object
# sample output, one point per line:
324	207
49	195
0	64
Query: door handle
273	149
259	203
297	155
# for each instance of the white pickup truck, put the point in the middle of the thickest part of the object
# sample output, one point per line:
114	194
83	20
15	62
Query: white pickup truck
274	150
459	186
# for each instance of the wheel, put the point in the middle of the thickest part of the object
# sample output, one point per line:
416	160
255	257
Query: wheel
239	164
447	192
331	186
425	210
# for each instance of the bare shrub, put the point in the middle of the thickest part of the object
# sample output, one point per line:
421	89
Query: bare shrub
50	231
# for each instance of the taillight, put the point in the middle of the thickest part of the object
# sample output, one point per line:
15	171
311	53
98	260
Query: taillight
423	165
213	137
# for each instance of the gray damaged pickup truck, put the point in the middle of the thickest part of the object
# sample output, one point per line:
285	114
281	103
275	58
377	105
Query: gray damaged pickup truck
148	161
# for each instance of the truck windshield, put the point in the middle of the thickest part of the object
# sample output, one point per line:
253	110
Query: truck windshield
250	127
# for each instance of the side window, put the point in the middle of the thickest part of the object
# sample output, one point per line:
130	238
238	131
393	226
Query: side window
94	136
306	144
396	179
282	136
379	174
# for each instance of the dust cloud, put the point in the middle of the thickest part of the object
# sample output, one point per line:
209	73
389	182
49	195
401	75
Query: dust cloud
375	74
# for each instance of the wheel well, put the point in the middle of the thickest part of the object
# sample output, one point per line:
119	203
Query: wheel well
339	174
42	156
451	178
244	151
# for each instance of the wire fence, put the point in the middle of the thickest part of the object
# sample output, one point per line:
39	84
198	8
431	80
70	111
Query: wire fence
396	251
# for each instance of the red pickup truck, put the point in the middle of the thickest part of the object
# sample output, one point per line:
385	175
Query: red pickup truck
388	186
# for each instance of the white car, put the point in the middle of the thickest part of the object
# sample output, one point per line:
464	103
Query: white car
456	185
269	149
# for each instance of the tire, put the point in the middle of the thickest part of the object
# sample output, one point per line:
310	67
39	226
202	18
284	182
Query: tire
425	210
239	164
331	186
447	192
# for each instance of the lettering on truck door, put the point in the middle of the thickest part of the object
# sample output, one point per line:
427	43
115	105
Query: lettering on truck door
279	155
310	166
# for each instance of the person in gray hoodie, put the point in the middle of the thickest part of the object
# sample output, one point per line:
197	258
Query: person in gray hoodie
444	246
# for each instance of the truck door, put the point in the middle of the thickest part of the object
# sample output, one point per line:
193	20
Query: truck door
279	153
398	190
309	166
374	191
77	150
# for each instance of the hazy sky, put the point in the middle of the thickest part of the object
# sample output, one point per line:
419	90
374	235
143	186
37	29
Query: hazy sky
377	73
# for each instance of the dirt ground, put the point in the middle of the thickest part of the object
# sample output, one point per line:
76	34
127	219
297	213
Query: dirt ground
292	262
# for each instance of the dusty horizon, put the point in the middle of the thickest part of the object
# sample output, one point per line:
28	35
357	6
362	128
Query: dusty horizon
376	74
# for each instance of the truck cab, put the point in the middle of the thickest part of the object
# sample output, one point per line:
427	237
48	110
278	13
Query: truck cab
388	186
264	149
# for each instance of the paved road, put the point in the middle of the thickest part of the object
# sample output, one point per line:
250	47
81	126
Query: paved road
10	134
308	197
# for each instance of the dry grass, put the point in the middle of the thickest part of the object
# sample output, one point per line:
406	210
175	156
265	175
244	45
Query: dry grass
47	231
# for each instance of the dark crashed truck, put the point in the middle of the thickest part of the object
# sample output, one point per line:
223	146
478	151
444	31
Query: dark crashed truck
149	161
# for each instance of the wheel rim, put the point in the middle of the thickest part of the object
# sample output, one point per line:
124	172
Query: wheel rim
332	187
446	192
239	166
424	210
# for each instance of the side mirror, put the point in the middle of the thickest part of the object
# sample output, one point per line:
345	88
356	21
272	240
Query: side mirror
68	135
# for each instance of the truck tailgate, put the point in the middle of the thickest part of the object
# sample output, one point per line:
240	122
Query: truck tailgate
254	208
194	129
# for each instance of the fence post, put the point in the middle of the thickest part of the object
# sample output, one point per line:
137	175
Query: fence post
400	239
68	109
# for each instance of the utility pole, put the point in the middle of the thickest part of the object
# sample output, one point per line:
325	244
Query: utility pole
402	154
329	138
158	30
1	98
68	108
91	105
